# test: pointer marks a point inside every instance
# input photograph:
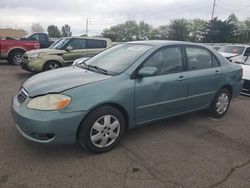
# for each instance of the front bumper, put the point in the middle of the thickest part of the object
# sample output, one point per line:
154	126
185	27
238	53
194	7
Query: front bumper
35	65
245	87
46	127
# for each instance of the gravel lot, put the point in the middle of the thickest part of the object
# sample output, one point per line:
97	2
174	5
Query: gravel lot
189	151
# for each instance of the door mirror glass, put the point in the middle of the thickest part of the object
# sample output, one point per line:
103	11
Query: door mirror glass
147	71
69	48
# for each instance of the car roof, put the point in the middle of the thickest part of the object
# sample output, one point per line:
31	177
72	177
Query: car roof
163	42
96	38
239	45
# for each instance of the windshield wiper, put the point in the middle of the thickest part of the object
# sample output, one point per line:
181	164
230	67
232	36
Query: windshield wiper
84	65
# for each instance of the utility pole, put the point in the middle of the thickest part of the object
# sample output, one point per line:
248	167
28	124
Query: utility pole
87	26
212	17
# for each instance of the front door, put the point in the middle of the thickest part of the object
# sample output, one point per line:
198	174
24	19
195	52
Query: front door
165	93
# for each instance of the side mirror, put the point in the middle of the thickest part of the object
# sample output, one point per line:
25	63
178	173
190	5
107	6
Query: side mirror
69	48
79	61
147	71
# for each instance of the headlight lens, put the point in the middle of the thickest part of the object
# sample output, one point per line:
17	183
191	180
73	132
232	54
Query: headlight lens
37	55
49	102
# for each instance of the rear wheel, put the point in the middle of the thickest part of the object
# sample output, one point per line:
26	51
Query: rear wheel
220	104
51	65
102	129
15	57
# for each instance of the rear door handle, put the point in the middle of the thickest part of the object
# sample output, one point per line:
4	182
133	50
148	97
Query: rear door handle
217	71
181	78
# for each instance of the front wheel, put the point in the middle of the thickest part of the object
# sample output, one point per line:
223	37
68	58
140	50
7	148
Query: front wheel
102	129
220	104
51	65
15	57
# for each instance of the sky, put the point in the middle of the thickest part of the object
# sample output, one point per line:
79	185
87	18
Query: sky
106	13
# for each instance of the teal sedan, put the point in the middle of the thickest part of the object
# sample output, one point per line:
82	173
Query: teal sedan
94	102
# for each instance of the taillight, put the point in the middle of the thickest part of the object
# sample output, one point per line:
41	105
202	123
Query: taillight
37	45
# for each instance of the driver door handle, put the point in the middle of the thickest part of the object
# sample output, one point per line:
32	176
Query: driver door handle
181	78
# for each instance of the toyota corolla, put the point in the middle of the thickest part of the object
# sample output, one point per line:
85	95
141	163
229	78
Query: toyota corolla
128	85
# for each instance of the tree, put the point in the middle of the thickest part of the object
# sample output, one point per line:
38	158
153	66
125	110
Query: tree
196	27
53	31
66	31
178	30
128	31
233	24
36	28
160	33
218	31
143	31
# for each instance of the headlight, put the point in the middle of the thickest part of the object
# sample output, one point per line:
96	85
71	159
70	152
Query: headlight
37	55
49	102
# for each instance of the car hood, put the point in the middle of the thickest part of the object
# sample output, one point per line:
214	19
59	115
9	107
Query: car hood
56	81
246	72
228	54
45	50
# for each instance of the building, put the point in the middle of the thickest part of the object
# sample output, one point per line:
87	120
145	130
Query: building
13	33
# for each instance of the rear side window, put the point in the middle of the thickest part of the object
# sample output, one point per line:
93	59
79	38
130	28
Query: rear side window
92	43
77	43
199	58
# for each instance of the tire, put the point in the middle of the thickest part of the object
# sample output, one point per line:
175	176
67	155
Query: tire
107	136
51	65
15	57
220	103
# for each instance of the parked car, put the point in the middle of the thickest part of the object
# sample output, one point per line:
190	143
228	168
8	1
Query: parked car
13	49
63	53
128	85
246	77
235	52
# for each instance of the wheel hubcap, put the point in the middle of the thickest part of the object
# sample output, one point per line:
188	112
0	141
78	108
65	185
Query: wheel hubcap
53	66
222	104
105	131
17	59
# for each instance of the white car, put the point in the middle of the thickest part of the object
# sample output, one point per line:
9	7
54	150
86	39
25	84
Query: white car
235	53
246	77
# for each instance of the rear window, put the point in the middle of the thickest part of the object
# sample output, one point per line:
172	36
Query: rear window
232	49
92	43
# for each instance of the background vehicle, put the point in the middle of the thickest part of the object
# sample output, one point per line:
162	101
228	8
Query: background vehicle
13	49
246	77
63	53
123	87
235	52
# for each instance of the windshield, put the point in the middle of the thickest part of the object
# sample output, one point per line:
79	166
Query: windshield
54	43
60	43
247	62
232	49
118	58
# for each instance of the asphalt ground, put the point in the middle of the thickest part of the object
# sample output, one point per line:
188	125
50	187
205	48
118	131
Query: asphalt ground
189	151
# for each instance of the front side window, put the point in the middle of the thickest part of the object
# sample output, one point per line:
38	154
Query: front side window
198	58
247	52
167	60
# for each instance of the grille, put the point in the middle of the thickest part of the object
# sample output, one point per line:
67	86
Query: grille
246	84
22	96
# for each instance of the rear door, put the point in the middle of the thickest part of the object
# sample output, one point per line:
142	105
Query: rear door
165	93
204	77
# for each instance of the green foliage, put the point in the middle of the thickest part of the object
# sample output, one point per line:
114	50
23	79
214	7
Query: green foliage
128	31
53	31
230	30
179	30
66	31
